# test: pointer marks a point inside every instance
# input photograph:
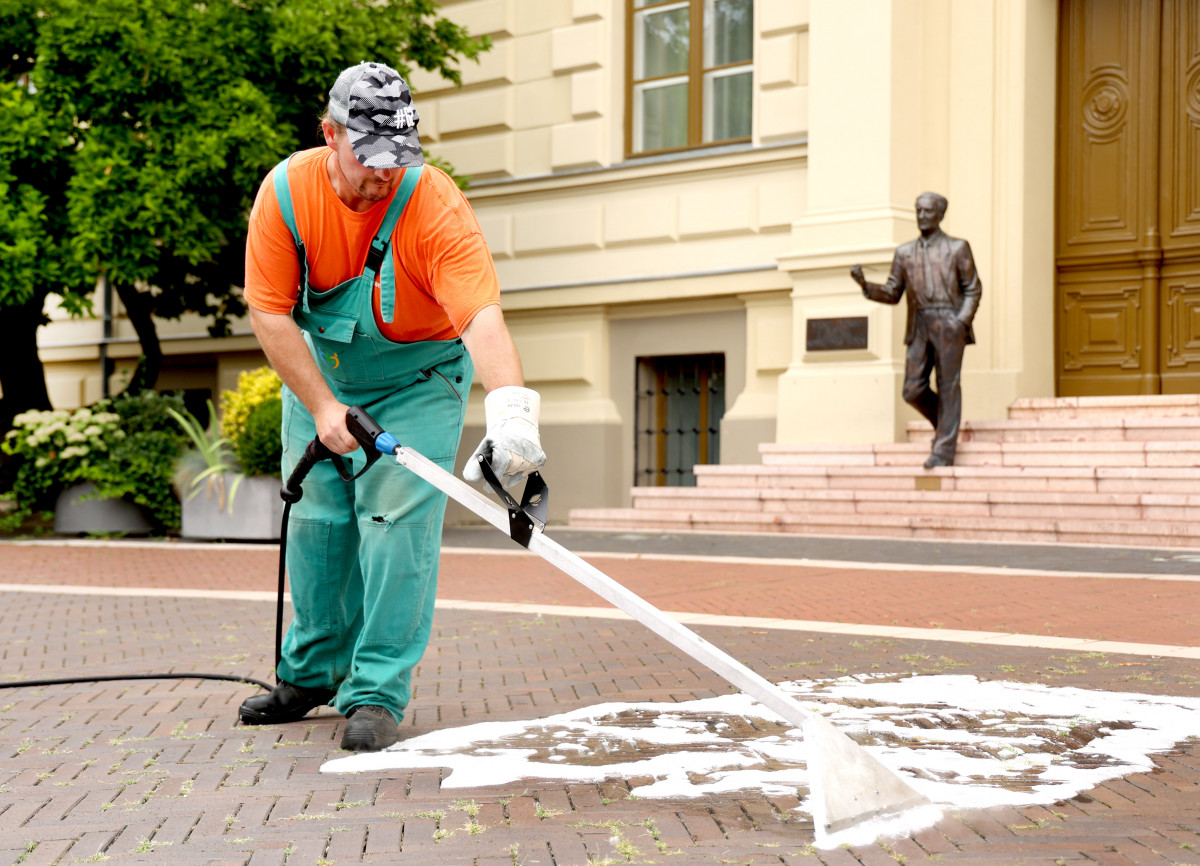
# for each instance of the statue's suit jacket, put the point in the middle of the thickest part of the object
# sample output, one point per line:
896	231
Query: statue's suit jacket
953	270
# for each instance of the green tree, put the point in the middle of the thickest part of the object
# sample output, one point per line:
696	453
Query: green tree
34	251
134	135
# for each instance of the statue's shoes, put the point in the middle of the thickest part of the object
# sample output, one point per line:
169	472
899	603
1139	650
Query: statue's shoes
937	460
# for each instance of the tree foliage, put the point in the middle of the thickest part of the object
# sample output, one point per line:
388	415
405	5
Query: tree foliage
134	135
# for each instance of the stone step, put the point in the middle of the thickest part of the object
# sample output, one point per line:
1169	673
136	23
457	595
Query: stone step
1071	479
956	503
1078	470
975	453
1105	428
1153	533
1130	406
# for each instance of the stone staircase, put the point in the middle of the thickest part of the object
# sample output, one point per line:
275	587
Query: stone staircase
1081	470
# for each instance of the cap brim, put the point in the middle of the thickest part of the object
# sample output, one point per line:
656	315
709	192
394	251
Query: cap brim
387	151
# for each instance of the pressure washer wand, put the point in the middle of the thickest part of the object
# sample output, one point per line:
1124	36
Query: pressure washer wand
848	785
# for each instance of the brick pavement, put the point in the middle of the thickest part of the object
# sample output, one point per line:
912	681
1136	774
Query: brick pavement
159	770
1158	611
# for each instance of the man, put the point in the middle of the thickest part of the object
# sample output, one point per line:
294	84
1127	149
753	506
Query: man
943	294
369	283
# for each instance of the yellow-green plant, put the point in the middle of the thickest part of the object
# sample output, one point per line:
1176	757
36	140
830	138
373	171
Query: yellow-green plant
254	387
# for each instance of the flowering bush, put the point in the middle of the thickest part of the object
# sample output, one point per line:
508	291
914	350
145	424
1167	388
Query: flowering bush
126	446
56	449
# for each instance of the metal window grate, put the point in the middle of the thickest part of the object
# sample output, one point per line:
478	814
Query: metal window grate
677	418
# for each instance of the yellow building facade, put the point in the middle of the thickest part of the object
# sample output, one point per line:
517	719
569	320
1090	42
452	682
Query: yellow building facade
674	194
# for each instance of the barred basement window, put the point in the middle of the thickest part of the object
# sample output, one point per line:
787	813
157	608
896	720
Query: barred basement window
690	72
677	418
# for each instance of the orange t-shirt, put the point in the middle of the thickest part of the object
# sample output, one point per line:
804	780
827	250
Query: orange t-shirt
444	272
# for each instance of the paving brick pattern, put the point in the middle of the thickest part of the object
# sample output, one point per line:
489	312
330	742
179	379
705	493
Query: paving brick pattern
1113	608
159	770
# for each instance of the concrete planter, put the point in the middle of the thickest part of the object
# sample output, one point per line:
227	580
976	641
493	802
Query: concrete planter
255	516
77	514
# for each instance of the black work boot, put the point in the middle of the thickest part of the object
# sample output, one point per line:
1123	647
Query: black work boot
369	728
284	703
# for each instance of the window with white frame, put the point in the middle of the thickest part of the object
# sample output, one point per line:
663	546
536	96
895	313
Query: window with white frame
690	73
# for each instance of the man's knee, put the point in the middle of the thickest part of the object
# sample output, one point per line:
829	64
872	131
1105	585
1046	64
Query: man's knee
914	391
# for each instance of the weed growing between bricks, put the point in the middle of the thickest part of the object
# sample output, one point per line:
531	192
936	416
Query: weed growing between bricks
154	771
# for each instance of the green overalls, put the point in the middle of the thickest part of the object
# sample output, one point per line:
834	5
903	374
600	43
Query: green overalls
362	556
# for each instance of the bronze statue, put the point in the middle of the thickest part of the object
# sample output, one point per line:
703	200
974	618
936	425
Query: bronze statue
943	294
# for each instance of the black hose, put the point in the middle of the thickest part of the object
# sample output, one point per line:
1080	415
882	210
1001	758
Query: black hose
287	507
291	492
24	684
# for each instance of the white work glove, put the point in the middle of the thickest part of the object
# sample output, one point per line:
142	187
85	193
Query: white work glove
511	444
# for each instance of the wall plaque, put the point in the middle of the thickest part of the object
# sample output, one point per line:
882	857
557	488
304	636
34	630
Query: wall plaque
848	332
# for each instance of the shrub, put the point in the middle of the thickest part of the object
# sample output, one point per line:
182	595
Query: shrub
54	449
126	446
246	444
259	449
254	387
142	463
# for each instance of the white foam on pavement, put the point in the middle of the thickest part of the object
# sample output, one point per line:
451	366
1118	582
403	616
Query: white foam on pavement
960	742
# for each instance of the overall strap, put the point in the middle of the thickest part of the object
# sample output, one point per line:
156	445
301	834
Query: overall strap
379	246
283	193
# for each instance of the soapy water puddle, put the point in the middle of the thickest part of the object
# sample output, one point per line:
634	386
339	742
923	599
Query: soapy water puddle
955	739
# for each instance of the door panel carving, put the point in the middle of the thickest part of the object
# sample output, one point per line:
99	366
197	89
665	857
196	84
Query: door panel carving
1128	191
1181	329
1102	157
1099	325
1180	124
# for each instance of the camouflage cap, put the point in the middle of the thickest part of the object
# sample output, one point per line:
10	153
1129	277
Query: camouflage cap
375	105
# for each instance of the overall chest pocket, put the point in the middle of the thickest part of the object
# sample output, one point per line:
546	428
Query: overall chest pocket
353	360
344	352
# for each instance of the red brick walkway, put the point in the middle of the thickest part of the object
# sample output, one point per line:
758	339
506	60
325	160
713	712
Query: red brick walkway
158	771
1138	610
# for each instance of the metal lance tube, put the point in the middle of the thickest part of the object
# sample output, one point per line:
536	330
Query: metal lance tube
848	784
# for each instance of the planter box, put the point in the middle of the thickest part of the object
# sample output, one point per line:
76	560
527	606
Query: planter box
75	514
256	515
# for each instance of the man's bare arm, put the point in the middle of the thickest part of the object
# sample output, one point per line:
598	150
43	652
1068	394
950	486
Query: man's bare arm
511	443
492	350
284	345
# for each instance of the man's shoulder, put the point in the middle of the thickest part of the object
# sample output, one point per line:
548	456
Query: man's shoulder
304	165
435	178
304	169
438	201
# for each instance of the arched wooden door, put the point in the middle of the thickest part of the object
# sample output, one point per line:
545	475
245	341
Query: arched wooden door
1128	197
